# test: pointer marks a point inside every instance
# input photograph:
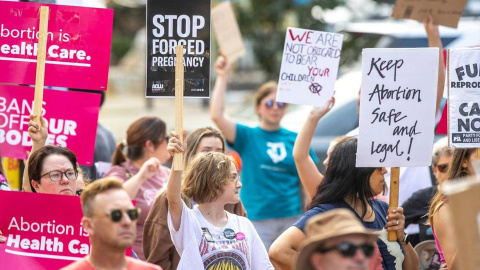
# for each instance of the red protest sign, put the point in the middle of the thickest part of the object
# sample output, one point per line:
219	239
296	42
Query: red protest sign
47	236
71	116
78	45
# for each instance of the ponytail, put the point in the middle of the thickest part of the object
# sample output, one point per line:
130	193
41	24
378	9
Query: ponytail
118	156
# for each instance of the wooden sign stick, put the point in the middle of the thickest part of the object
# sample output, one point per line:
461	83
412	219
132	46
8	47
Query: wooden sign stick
394	186
179	83
41	56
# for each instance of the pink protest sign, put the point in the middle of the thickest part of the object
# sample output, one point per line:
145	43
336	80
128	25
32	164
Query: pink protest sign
78	45
71	117
46	236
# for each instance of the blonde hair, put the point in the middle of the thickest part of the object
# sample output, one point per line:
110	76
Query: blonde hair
206	175
95	188
455	171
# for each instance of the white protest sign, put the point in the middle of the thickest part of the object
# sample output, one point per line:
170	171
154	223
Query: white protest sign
309	66
464	98
397	107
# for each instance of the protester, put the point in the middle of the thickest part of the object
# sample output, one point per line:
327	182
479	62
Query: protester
158	247
272	187
109	218
439	213
416	207
346	186
146	145
207	236
336	240
413	179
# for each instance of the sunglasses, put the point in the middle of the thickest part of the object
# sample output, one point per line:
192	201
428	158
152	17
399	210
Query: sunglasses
442	168
348	249
117	214
269	103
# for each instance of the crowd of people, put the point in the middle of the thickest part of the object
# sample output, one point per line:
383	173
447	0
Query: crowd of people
209	215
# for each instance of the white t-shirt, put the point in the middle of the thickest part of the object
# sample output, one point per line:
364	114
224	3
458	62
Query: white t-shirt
202	245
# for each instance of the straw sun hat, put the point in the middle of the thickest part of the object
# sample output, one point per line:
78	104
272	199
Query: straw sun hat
328	225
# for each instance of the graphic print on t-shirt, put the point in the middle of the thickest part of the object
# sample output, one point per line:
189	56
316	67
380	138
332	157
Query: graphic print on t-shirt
276	151
149	195
393	248
224	254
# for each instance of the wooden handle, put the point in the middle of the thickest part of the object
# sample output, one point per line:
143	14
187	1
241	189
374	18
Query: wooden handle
178	157
41	56
394	186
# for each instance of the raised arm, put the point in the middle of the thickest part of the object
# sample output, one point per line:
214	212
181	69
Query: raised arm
174	185
148	169
307	170
217	102
39	135
434	41
284	251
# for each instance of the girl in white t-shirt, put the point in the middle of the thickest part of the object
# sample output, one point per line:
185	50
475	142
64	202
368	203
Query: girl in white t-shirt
207	236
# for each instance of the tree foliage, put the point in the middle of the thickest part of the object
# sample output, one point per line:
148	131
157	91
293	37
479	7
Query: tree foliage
264	22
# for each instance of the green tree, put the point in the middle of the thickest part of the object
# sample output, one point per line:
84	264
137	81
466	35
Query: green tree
264	22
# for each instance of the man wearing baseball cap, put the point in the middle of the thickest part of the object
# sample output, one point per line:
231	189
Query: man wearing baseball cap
336	240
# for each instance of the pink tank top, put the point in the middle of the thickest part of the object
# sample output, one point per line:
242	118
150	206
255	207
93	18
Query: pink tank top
442	259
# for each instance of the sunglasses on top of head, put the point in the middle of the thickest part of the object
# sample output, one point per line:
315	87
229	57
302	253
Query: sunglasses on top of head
269	103
442	168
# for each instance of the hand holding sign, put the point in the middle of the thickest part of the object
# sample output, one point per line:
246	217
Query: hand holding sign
38	133
149	168
2	238
222	66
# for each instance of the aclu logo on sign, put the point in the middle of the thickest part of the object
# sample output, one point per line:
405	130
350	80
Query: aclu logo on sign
157	87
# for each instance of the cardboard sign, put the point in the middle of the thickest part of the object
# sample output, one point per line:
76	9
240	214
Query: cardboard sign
464	97
172	23
43	231
309	66
71	117
445	12
78	45
397	107
465	217
227	32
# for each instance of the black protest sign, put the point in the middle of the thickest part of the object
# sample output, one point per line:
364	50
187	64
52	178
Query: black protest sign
172	23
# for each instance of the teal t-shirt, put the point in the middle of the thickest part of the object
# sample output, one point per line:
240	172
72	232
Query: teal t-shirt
271	186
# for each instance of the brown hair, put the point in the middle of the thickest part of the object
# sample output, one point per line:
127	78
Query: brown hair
205	176
36	159
95	188
196	136
147	128
265	90
455	171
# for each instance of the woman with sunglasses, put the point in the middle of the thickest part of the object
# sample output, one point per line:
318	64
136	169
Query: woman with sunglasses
157	245
207	236
271	192
439	213
140	168
352	188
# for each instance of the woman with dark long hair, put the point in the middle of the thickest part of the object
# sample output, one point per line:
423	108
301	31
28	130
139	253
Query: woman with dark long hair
349	187
439	213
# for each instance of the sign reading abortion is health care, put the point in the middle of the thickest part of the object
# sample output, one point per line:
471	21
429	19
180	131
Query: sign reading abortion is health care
309	66
171	23
71	117
464	97
78	45
43	231
397	107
